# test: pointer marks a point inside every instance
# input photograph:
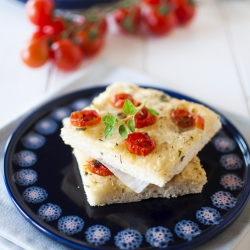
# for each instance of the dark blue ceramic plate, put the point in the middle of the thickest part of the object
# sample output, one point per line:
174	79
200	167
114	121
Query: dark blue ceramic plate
77	4
43	181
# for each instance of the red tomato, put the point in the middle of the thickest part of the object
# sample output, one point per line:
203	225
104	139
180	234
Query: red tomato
66	54
97	167
35	53
39	34
90	42
84	118
152	2
119	99
140	143
40	11
55	27
128	19
144	118
51	31
160	20
183	118
185	10
199	122
98	26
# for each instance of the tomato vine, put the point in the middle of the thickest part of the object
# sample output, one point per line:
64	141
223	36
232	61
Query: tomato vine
67	39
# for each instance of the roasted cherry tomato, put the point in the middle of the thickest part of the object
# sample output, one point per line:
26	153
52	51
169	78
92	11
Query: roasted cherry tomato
119	99
84	118
185	10
140	143
40	11
66	54
160	20
35	53
199	122
90	42
128	19
97	167
144	118
183	118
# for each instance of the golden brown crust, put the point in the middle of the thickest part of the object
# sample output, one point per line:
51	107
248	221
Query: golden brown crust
175	147
109	189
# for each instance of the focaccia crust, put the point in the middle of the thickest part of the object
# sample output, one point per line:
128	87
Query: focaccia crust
175	147
103	190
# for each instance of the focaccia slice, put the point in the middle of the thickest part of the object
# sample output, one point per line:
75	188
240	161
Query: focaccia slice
175	147
103	190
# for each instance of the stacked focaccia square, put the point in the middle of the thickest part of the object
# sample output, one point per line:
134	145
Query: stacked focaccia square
158	158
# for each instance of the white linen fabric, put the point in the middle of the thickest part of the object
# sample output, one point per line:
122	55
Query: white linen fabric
16	233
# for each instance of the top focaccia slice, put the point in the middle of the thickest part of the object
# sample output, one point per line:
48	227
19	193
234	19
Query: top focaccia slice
175	146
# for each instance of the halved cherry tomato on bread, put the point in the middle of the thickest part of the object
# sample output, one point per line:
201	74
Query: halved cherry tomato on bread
184	119
199	122
144	118
84	118
97	167
119	99
140	143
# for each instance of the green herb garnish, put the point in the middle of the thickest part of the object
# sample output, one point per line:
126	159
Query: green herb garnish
127	124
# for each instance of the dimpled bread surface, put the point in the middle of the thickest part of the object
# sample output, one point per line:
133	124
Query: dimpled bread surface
175	147
103	190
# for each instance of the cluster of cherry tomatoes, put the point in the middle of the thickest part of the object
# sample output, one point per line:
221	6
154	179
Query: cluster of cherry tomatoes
66	41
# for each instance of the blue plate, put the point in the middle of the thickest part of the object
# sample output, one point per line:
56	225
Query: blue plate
43	180
77	4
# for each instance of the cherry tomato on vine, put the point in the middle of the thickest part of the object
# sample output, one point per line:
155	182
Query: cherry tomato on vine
35	53
119	99
40	11
183	118
98	26
55	27
40	34
160	20
97	167
139	143
128	19
84	118
66	54
152	2
144	118
185	10
51	31
90	42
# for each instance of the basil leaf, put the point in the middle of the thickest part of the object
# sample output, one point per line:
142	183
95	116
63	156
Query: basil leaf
123	131
152	111
129	108
109	120
131	125
108	131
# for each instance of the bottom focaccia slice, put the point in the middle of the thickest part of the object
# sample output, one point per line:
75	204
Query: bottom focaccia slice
104	190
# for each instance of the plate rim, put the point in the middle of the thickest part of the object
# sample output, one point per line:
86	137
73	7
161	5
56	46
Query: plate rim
66	240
